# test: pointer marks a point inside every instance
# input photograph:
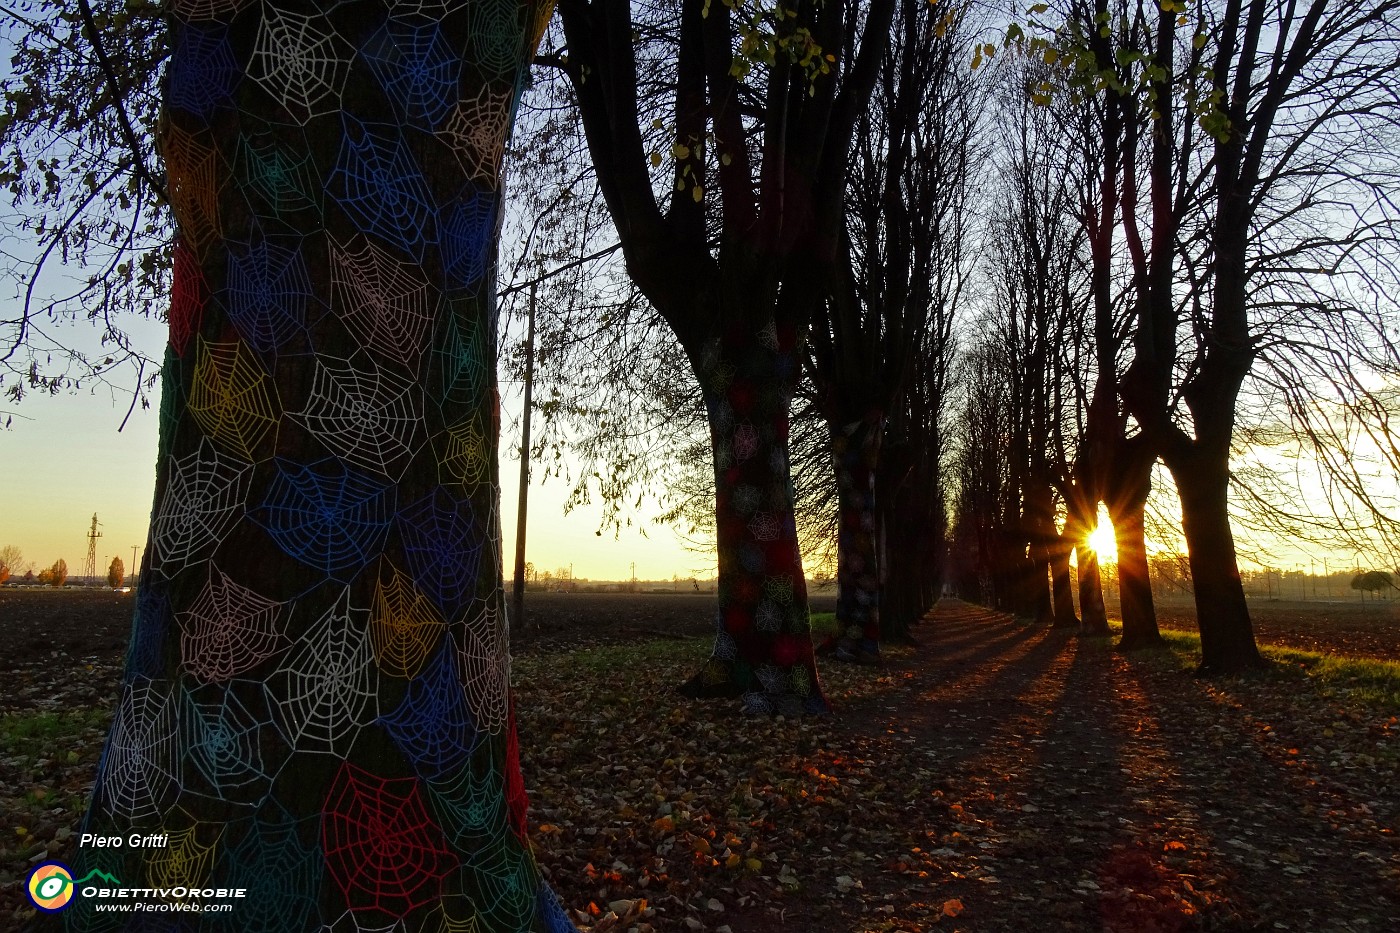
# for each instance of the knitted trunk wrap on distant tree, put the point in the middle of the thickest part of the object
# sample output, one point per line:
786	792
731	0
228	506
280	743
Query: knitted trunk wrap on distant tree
315	707
763	641
855	451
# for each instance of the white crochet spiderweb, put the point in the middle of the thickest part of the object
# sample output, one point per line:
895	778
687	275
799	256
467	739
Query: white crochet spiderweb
141	765
327	687
203	500
383	302
365	414
298	62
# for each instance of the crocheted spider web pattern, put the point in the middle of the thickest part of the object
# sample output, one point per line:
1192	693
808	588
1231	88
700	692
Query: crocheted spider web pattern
432	726
192	175
202	71
184	860
327	686
466	229
202	502
300	63
268	292
278	178
188	295
384	302
365	414
416	67
404	626
274	860
232	399
228	629
464	453
230	736
442	547
378	184
381	846
140	770
475	130
327	516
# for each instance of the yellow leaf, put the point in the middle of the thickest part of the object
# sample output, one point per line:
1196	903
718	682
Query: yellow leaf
697	193
977	61
655	159
732	861
1052	56
952	907
726	159
680	151
657	124
753	864
21	831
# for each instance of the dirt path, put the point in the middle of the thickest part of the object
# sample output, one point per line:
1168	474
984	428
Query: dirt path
1071	788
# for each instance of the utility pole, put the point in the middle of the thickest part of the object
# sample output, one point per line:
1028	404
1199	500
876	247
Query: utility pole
517	603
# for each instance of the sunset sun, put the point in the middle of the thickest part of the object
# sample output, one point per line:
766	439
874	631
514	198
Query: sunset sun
1103	543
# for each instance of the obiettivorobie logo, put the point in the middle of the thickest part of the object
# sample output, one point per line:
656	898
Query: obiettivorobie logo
51	885
51	888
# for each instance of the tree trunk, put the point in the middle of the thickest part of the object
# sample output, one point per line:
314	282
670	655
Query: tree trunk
1125	507
855	454
1227	635
763	643
1039	522
315	706
1060	583
1093	618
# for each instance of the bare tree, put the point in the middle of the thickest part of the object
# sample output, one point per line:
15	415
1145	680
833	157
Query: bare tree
729	216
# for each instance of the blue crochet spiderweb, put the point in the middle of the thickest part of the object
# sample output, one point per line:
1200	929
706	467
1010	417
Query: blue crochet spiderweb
268	291
432	726
146	650
378	184
442	547
417	69
202	71
327	516
552	912
464	230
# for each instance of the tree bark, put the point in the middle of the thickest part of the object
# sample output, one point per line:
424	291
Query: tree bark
1082	515
1060	584
315	706
1227	635
855	454
1126	504
763	642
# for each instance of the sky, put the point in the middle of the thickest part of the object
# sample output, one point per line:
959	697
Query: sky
65	459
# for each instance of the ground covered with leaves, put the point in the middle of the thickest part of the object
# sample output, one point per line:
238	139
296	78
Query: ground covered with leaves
999	776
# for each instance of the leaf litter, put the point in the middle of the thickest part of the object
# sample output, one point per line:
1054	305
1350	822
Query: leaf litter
998	777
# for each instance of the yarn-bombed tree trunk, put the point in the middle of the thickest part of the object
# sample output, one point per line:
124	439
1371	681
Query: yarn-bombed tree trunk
855	454
763	645
315	707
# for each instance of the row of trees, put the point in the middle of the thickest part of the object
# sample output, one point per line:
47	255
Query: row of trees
1193	258
56	574
794	188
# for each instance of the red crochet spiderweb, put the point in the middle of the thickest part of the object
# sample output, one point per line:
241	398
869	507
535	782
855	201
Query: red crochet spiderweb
382	848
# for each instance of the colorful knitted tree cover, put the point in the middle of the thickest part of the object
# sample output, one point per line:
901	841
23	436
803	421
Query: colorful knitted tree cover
315	707
763	639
